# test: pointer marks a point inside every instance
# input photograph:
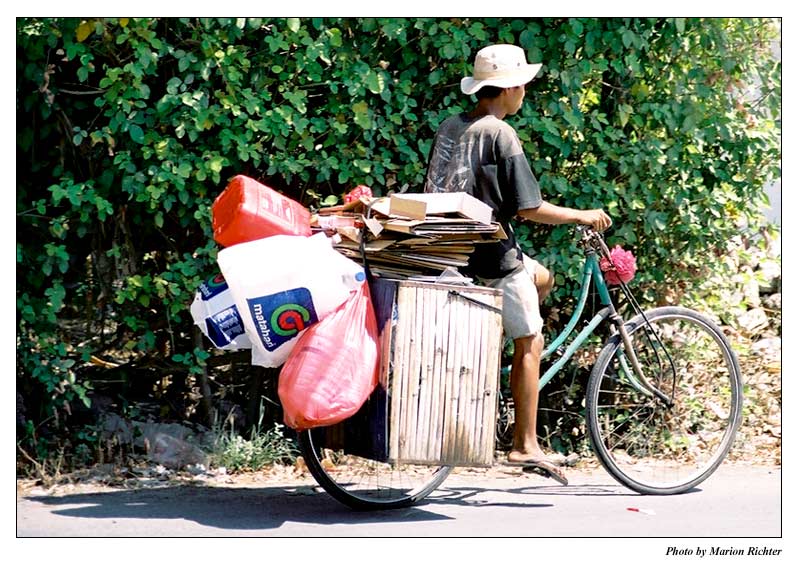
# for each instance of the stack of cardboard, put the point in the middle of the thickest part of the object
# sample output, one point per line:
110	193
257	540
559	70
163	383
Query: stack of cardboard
411	236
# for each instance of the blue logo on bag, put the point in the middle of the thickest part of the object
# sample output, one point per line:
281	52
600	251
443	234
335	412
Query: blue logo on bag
280	317
224	326
212	287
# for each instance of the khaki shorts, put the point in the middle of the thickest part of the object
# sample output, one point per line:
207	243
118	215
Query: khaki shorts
521	317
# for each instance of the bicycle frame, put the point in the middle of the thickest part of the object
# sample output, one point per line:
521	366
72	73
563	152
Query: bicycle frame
591	273
629	362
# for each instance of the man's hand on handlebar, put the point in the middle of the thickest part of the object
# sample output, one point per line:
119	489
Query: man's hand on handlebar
547	213
598	219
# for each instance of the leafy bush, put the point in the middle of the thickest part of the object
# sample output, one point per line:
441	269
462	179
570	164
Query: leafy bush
128	128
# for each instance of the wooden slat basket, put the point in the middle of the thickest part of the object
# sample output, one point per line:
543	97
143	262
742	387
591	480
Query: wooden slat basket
441	364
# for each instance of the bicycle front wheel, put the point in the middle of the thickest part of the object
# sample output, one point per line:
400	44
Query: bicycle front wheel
667	443
363	483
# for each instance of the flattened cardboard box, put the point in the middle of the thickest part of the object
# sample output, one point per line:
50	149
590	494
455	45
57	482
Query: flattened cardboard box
417	206
434	225
442	203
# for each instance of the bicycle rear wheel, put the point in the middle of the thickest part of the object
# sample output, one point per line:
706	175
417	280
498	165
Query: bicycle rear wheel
362	483
655	446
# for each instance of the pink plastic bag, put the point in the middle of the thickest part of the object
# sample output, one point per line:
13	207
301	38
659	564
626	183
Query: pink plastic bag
333	367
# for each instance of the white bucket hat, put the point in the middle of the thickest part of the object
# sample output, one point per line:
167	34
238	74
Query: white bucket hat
503	66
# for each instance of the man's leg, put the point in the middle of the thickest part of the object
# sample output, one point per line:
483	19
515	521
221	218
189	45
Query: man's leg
525	391
525	369
543	279
521	318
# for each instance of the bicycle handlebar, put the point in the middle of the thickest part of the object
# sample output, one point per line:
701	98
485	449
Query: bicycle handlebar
592	240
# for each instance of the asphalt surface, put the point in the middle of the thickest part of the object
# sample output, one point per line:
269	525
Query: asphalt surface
736	502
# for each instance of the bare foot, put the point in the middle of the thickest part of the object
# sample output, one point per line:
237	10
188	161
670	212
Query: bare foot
516	455
537	461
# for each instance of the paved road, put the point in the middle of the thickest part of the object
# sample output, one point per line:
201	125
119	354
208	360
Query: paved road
738	501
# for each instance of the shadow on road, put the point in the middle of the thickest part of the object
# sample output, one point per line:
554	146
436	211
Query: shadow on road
232	508
223	507
483	496
269	508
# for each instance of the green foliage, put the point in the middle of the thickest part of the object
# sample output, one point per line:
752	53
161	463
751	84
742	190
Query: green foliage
663	130
128	128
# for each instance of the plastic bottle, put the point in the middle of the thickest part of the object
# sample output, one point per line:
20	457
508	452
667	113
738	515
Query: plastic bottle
248	210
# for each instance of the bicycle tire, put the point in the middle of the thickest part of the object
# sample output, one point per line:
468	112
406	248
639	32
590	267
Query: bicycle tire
645	445
366	484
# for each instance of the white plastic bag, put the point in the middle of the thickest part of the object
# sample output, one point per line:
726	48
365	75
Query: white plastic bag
282	285
216	314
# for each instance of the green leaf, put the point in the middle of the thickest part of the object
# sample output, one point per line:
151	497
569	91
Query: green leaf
336	37
215	164
136	133
173	84
363	165
527	39
573	119
362	118
625	112
293	24
628	38
375	82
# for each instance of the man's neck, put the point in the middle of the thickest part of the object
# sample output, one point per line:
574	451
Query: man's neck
487	107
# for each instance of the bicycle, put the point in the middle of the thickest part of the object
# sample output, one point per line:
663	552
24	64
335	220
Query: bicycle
663	403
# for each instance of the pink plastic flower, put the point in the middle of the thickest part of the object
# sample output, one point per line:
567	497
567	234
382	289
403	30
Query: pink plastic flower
623	267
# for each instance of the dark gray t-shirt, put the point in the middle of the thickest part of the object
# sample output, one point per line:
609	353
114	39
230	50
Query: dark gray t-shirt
483	157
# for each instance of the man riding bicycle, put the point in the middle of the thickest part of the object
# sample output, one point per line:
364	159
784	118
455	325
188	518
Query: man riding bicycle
479	153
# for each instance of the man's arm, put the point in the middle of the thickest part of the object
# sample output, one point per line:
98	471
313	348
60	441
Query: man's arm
551	214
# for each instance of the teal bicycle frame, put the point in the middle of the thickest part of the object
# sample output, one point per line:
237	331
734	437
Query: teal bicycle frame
631	370
591	273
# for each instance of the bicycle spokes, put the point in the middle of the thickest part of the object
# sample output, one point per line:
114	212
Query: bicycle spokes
647	364
657	446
